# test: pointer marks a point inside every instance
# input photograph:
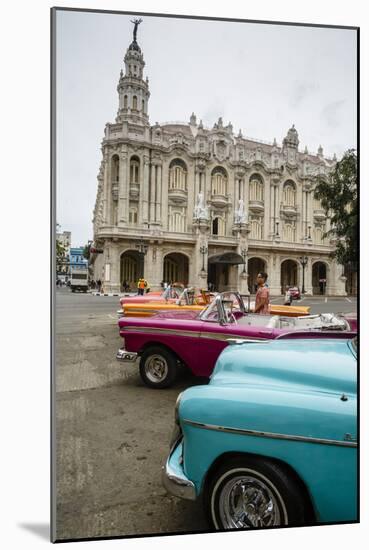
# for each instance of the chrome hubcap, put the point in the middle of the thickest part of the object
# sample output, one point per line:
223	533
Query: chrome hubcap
246	501
156	368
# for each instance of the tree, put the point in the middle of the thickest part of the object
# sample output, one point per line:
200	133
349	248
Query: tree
86	251
338	196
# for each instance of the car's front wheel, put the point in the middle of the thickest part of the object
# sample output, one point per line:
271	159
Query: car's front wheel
158	367
253	492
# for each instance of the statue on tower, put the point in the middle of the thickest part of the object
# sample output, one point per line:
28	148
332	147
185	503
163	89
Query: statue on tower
136	22
200	211
240	216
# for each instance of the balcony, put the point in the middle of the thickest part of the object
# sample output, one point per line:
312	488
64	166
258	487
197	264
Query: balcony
256	206
134	191
289	209
319	214
177	196
219	201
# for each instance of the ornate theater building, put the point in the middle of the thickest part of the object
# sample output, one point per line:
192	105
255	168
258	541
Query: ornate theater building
206	206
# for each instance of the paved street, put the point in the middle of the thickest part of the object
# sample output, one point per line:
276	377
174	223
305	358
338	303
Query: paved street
113	432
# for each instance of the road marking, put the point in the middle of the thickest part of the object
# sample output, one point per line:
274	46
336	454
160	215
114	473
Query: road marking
348	299
111	316
326	300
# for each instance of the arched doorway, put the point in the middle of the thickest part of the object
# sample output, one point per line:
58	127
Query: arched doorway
288	274
131	269
223	271
254	266
319	278
175	268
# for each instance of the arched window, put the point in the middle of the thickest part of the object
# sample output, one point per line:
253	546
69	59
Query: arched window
289	194
178	175
218	226
134	102
219	180
115	169
256	188
134	168
177	219
256	229
125	102
143	105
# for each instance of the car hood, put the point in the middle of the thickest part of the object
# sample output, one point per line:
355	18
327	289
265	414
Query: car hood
325	365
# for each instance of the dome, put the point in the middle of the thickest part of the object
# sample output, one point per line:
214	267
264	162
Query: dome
134	47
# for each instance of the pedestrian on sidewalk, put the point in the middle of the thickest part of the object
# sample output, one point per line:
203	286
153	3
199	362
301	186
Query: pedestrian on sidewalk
262	295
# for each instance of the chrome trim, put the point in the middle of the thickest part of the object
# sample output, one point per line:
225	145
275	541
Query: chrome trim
271	435
179	486
126	356
190	333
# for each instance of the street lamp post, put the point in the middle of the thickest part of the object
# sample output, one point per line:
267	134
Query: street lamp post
243	254
203	251
142	250
304	261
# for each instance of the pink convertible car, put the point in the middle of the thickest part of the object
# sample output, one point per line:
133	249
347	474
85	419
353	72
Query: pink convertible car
193	339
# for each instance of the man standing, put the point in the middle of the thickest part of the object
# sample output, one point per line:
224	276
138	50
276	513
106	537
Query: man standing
262	295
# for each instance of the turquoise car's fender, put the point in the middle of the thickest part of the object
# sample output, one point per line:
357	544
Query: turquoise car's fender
301	415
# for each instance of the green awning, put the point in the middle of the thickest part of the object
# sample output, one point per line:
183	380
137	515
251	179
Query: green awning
230	258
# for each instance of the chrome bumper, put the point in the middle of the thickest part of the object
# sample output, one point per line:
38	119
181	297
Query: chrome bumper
174	479
126	356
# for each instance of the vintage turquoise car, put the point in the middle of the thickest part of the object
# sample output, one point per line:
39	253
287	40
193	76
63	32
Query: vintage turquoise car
272	439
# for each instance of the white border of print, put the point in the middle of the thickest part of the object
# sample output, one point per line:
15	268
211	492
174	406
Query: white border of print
25	274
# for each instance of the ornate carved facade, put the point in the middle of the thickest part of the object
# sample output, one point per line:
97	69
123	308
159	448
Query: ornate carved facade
173	196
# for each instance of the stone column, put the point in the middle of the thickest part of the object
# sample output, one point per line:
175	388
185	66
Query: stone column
308	278
125	199
336	280
272	209
140	196
164	195
278	208
158	194
105	193
267	210
145	189
152	191
153	265
123	184
274	275
111	277
308	213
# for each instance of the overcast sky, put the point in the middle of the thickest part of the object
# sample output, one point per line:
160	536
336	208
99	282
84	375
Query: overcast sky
261	78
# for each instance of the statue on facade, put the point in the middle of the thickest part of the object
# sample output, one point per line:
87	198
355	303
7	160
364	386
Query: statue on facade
240	216
200	211
136	22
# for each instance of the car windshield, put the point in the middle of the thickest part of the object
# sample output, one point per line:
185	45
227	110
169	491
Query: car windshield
222	308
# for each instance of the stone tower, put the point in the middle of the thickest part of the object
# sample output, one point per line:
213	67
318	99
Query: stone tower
133	90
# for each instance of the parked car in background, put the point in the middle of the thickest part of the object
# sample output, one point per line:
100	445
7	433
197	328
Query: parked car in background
272	439
292	293
196	301
188	299
194	339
